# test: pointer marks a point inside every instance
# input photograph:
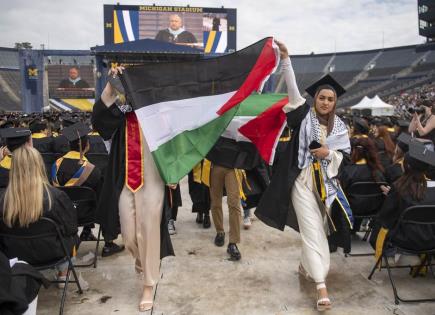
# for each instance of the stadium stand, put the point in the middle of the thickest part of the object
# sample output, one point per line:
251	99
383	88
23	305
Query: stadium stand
364	73
10	98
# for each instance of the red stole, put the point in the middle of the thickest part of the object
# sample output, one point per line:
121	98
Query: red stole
133	153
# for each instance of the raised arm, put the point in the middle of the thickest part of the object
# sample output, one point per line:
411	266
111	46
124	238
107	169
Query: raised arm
295	98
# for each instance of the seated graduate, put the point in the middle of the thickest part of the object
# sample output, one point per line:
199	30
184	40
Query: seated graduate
13	139
365	165
27	198
395	170
412	188
384	144
41	141
73	169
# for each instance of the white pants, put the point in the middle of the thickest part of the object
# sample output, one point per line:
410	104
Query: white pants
140	216
315	257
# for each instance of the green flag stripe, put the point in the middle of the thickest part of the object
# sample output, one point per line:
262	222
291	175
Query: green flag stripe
255	104
177	157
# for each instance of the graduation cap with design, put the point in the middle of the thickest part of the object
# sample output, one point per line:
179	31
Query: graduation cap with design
76	131
327	82
15	137
420	156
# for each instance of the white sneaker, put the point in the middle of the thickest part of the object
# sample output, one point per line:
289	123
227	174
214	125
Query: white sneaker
171	227
246	223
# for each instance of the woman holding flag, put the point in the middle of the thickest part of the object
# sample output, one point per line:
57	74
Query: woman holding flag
133	189
304	192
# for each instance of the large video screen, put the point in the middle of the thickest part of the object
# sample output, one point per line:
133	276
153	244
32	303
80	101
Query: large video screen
71	81
210	29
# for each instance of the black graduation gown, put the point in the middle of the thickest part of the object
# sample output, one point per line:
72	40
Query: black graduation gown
184	37
39	251
360	206
382	154
96	144
275	208
110	124
393	172
19	286
69	167
4	178
200	195
43	145
393	207
60	145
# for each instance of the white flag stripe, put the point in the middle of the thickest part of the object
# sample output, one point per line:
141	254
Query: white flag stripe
163	121
222	45
232	131
128	26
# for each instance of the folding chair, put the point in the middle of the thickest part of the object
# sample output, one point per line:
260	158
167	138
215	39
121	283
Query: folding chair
365	199
84	200
404	239
15	242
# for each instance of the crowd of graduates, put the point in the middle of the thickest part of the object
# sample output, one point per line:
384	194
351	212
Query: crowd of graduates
72	154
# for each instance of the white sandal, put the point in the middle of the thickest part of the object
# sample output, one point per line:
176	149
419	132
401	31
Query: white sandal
323	304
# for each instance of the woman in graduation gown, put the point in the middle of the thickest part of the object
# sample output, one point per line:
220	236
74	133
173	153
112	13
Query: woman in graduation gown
27	198
411	189
133	191
365	166
304	192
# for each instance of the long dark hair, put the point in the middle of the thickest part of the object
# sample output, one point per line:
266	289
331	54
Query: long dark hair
364	148
412	182
384	134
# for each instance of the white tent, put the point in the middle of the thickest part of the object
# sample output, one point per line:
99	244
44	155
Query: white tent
376	106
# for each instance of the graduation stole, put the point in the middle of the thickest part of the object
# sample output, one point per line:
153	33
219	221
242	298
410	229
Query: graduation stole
6	162
241	177
79	177
319	184
133	153
38	135
201	172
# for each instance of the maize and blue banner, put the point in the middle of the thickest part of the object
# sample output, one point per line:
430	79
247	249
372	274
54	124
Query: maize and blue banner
125	26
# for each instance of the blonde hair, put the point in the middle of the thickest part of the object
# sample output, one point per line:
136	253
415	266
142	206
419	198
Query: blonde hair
24	195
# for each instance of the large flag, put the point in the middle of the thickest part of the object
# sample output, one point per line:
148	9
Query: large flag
265	129
236	149
183	107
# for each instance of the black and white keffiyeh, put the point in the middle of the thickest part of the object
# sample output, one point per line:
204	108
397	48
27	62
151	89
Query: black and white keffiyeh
337	140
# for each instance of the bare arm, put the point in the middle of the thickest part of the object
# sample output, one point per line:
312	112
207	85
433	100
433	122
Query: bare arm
422	131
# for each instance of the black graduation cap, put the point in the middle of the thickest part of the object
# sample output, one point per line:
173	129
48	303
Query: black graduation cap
76	131
37	125
327	82
360	125
403	141
420	157
15	137
403	123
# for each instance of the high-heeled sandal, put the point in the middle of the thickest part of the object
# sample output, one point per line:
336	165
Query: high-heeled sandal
145	305
305	274
323	304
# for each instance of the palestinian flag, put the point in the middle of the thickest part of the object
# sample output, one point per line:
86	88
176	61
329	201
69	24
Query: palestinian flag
234	149
265	129
183	107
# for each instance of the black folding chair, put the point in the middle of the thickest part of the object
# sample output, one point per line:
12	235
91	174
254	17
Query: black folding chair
84	200
365	199
404	239
15	242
